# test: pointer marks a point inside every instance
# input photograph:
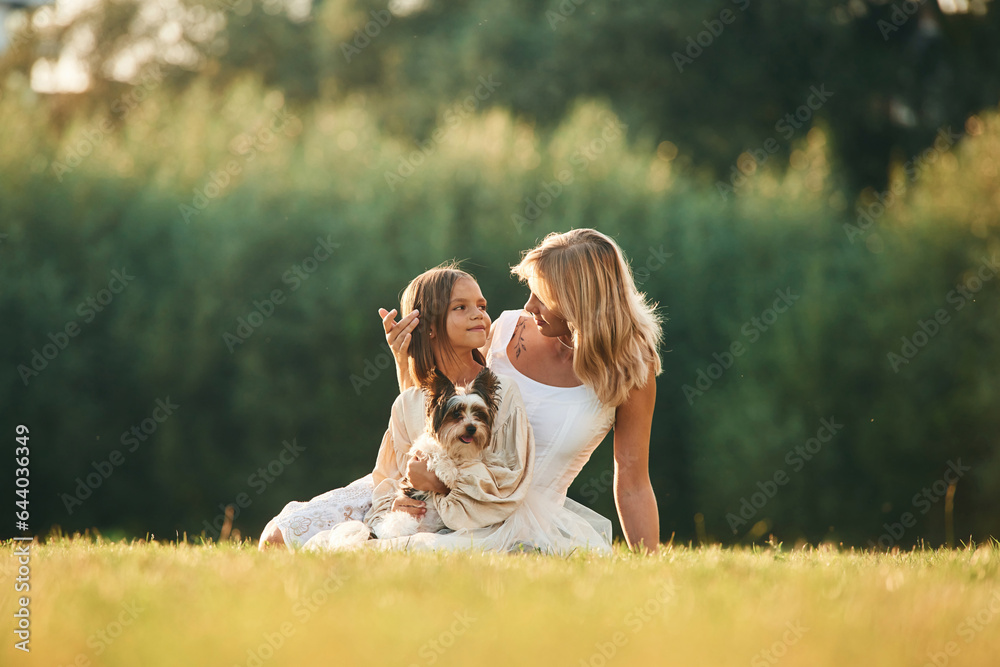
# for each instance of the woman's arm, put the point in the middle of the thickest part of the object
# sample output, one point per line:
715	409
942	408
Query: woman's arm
633	492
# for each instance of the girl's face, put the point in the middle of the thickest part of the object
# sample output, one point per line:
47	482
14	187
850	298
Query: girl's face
548	323
468	323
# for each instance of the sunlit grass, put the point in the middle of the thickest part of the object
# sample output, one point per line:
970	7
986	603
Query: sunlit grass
158	603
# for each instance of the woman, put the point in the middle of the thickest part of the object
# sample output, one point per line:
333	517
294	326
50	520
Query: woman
483	494
585	356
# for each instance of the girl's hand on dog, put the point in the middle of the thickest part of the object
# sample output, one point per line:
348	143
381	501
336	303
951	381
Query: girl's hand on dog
415	508
421	478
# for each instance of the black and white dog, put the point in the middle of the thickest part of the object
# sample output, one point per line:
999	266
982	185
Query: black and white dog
459	429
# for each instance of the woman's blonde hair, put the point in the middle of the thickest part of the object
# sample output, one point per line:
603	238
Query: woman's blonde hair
430	293
583	277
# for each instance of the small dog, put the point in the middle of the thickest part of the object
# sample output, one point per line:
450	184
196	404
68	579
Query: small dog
459	428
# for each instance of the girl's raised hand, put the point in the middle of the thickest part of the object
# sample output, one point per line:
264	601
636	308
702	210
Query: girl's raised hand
398	335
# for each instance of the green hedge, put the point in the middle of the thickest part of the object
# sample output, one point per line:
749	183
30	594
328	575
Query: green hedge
223	204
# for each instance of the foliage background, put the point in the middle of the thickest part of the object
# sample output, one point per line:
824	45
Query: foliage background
791	222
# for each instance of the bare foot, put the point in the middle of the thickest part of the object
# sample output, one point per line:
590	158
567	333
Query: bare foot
273	539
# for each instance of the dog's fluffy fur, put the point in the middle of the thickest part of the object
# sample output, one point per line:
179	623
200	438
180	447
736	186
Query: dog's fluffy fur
459	429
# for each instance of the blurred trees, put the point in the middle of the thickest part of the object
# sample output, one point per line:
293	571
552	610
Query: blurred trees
260	137
715	79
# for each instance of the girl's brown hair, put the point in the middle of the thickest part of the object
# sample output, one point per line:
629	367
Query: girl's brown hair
430	293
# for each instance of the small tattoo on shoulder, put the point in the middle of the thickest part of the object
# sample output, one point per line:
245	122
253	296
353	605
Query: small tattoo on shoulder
519	344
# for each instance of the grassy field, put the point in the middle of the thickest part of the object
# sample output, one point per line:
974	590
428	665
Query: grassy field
158	603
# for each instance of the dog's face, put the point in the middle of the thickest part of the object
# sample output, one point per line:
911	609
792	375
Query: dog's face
462	418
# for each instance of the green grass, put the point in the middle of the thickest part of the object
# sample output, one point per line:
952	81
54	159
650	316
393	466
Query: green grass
219	604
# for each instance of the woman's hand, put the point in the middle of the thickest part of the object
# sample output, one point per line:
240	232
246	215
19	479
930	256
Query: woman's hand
415	508
423	479
397	335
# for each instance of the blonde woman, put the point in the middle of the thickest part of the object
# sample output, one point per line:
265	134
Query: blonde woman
584	353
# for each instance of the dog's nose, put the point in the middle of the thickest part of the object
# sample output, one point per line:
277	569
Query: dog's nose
470	430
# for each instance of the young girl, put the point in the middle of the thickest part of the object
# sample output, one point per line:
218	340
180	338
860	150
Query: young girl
455	326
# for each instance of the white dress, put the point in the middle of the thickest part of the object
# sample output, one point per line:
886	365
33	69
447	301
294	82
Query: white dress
568	424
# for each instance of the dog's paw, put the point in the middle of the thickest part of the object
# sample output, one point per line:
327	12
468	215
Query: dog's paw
397	524
445	469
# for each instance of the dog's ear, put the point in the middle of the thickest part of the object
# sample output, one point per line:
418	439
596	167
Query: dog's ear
487	385
441	390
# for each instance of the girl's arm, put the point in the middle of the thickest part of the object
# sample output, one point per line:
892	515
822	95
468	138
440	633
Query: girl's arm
397	335
390	463
633	492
